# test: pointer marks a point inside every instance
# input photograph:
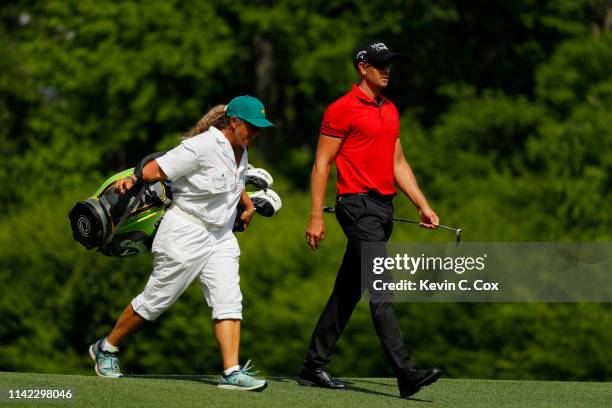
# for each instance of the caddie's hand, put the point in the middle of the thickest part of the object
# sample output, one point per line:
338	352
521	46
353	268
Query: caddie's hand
124	184
247	216
429	219
315	233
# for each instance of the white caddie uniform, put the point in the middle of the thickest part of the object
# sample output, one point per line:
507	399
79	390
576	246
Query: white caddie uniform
195	238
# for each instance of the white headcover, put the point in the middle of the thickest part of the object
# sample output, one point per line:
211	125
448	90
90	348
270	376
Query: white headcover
267	202
259	178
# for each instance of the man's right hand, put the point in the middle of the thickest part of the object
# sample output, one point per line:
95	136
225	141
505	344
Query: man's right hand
315	233
327	150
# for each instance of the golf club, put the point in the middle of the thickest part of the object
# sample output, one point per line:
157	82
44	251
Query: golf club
458	231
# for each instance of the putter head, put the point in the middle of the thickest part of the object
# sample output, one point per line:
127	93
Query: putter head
458	235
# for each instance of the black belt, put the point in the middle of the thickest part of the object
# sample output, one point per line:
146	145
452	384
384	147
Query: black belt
385	198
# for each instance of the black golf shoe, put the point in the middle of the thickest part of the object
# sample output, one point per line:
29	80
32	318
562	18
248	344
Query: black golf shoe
416	379
319	377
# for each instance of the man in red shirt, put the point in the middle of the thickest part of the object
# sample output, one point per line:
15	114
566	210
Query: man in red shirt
360	133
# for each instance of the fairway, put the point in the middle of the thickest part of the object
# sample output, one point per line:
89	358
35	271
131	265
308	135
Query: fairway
185	391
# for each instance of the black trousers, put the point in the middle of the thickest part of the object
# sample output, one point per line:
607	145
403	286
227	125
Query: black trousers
363	219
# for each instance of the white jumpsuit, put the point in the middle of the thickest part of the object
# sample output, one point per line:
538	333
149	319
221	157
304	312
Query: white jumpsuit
195	238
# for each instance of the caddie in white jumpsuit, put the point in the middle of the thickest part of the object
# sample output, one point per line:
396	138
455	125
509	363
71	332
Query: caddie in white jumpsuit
195	238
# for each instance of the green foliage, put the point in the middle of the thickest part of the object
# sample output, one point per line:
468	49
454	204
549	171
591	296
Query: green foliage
109	77
578	72
505	119
574	151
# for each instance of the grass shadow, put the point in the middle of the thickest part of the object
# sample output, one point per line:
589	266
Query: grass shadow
213	380
194	378
352	387
373	382
283	379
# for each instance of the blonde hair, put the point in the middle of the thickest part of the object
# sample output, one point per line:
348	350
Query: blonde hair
214	117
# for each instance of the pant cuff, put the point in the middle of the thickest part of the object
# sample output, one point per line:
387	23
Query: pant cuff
234	312
140	307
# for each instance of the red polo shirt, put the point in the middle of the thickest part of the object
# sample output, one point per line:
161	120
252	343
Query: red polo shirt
369	130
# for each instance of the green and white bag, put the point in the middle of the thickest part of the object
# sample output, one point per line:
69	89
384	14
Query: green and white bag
125	224
120	224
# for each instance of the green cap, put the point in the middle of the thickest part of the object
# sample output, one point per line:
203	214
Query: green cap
248	108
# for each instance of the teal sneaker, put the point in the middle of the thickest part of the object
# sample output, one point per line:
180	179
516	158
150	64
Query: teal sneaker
106	363
242	380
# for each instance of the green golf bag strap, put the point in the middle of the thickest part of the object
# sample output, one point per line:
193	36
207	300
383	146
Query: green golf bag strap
140	166
143	187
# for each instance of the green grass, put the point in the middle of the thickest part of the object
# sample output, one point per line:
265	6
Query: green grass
185	391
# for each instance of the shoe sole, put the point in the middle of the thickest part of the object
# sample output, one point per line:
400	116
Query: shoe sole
239	388
93	357
431	379
424	383
306	382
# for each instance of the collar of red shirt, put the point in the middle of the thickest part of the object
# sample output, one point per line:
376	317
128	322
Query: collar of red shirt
359	94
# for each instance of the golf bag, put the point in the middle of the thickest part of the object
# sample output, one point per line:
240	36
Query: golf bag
120	224
125	224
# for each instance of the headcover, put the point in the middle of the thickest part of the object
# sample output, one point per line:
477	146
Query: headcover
258	178
266	202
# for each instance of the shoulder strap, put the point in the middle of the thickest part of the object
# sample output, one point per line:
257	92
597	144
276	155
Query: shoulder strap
145	160
126	213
